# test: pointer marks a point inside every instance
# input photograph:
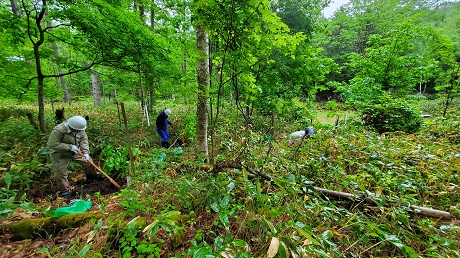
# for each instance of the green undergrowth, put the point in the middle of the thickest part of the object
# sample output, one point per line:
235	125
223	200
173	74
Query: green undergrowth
178	206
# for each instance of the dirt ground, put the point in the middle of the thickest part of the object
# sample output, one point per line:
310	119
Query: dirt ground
82	188
44	193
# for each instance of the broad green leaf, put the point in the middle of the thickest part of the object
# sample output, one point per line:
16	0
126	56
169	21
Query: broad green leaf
308	236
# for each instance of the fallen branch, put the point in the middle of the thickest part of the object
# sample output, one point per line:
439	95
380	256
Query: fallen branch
351	197
416	209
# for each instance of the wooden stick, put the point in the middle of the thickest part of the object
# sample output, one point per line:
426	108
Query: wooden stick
100	170
335	194
415	209
348	196
431	212
128	141
181	135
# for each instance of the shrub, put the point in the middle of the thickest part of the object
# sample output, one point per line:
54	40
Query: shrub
190	125
331	105
389	115
296	110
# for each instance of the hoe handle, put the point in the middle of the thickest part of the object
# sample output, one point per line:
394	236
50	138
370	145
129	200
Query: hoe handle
100	170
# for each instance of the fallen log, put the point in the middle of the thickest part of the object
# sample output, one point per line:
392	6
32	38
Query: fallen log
415	209
348	196
39	227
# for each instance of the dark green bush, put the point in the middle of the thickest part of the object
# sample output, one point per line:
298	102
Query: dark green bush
390	115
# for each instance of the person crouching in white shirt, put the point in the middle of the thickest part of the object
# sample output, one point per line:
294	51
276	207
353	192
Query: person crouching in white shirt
299	134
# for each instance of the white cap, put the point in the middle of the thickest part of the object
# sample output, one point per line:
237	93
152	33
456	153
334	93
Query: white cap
168	112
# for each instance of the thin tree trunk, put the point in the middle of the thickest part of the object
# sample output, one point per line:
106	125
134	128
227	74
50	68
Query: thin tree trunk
420	84
38	66
101	87
152	15
15	8
142	91
450	89
184	69
62	78
95	87
58	86
203	86
153	100
142	12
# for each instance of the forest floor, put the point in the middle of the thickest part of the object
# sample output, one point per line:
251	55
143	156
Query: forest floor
42	193
410	167
102	193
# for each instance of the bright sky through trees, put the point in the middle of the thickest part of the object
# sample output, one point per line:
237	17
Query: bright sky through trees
335	4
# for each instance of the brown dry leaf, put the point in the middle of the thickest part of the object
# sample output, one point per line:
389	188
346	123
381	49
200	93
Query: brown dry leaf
273	248
225	254
452	187
36	244
307	242
378	193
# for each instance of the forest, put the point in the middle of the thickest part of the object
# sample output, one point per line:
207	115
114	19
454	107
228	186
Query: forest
378	82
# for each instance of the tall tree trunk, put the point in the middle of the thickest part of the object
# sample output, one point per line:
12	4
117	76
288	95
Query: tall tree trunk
142	89
38	18
152	15
15	8
142	12
153	99
203	86
58	86
184	69
63	81
56	54
95	87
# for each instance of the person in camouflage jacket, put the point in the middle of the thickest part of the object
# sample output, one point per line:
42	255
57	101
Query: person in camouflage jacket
65	141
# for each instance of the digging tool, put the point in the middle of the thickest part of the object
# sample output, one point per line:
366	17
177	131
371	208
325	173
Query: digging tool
182	135
100	170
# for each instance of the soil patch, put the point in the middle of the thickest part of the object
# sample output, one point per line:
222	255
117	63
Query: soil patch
46	188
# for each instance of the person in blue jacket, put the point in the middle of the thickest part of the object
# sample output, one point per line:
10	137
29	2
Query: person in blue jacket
162	127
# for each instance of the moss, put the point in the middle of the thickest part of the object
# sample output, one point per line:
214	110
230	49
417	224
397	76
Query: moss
179	239
112	230
76	220
27	228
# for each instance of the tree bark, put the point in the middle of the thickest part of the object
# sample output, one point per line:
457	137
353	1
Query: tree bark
139	79
152	15
64	86
184	69
203	86
38	67
62	78
95	87
15	8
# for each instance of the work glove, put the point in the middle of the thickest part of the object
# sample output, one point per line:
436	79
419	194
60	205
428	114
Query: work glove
86	157
74	148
